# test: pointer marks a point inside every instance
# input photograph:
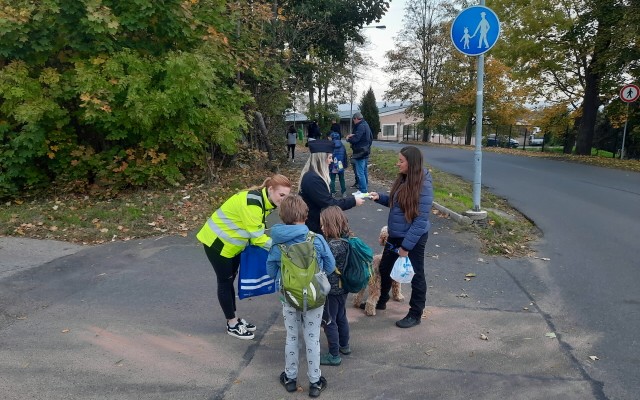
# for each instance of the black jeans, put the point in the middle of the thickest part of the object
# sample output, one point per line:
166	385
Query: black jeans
226	270
291	148
418	283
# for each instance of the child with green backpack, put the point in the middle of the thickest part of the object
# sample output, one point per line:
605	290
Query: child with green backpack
296	259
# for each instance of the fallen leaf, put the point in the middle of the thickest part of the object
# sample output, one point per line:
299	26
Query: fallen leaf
484	337
470	275
66	330
463	295
104	230
593	358
550	335
545	258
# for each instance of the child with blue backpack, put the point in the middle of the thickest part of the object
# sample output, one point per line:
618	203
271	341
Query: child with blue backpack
337	166
335	227
293	213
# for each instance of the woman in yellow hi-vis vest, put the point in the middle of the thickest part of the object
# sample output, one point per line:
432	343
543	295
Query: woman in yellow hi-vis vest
238	222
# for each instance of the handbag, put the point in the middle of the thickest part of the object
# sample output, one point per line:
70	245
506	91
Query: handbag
402	271
253	279
360	153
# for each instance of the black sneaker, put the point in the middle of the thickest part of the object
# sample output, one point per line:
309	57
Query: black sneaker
345	350
290	384
239	331
407	322
248	326
379	306
355	186
316	388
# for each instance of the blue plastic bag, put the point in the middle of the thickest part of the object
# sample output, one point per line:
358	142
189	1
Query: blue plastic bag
253	279
402	271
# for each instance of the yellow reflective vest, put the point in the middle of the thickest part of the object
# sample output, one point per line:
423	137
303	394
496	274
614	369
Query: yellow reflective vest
238	222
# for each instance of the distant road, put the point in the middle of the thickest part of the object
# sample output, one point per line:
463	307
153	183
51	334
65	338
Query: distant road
590	219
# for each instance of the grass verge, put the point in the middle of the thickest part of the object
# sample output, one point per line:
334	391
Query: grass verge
507	232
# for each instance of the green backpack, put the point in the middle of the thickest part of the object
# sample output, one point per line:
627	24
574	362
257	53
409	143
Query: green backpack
358	270
298	266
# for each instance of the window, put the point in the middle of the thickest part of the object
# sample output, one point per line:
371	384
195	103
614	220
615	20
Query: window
388	130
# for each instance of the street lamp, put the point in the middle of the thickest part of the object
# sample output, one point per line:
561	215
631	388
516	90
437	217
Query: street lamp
353	49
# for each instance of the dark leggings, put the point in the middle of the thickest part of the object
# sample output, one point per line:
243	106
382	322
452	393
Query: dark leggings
418	283
291	148
226	270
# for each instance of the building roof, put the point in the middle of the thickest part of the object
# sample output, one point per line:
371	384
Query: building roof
295	117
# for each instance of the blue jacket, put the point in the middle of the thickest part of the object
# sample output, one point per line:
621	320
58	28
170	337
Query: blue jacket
290	234
361	139
410	231
339	154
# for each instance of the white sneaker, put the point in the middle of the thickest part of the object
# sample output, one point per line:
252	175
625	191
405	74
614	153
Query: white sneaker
247	325
358	193
239	331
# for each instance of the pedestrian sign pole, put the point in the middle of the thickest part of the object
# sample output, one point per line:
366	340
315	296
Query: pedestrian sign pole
474	32
628	94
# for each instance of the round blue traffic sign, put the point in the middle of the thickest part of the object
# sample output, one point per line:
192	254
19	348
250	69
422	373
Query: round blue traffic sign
475	30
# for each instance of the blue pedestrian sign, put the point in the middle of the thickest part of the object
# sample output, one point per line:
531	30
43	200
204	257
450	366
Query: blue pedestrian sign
475	30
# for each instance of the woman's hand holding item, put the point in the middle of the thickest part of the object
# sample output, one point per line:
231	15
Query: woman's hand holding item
374	196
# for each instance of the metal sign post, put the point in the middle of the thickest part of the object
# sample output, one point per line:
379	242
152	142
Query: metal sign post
628	94
474	32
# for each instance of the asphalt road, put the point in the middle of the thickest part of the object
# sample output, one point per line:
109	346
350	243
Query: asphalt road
590	220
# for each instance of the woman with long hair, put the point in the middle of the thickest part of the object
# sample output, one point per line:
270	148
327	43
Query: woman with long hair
238	222
410	201
314	184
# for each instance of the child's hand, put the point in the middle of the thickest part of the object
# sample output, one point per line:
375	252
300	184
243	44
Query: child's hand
359	201
374	196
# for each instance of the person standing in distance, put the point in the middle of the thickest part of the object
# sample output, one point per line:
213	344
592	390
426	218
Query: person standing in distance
238	222
410	201
291	142
335	127
361	140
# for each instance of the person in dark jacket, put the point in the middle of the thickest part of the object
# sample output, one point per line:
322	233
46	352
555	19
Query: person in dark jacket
313	131
336	231
410	201
361	140
314	184
335	127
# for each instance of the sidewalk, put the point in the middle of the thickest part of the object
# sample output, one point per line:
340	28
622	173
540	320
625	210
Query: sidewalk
140	320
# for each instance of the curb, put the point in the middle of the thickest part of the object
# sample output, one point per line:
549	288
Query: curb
461	219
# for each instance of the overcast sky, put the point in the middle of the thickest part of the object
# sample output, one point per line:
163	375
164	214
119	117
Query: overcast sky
381	41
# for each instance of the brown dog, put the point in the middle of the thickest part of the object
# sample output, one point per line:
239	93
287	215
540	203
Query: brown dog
373	288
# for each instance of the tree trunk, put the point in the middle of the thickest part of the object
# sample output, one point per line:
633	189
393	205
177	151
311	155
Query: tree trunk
590	105
264	136
468	129
591	101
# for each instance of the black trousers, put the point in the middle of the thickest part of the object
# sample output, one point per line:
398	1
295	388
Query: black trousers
418	283
226	271
291	148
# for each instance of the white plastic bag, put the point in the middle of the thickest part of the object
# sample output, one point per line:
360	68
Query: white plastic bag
323	282
402	271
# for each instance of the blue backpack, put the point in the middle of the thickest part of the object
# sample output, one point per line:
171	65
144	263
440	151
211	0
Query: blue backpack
358	270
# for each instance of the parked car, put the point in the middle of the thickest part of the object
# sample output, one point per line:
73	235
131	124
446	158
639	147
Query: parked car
502	142
534	141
